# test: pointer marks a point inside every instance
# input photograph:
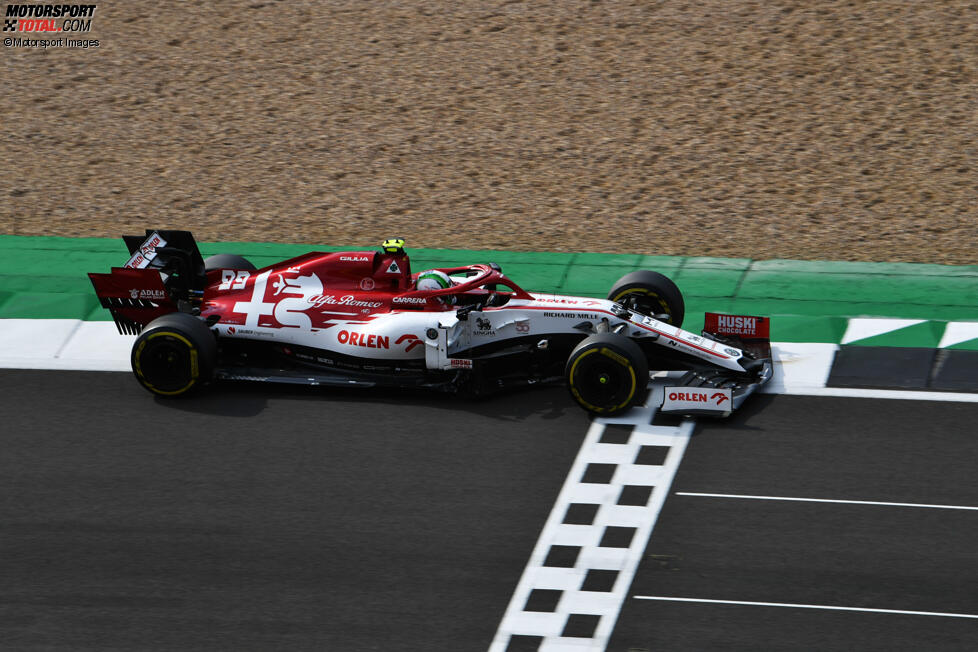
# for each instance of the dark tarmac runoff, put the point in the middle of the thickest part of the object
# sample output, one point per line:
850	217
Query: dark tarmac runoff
256	517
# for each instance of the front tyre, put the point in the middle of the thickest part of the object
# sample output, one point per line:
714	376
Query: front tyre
174	355
607	374
652	294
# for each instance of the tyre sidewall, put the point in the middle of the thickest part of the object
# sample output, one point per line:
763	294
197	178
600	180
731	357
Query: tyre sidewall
186	337
615	352
228	261
659	288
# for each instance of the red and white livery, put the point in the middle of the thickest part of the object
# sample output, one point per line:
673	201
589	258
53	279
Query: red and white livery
357	318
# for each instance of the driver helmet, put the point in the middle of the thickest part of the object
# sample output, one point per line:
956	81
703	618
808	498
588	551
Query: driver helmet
433	279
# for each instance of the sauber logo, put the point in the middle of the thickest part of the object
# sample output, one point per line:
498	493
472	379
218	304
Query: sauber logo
410	340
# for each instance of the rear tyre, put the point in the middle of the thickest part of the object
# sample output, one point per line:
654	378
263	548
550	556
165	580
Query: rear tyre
228	261
174	355
652	294
607	374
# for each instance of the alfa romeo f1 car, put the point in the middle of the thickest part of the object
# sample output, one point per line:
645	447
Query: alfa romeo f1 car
359	318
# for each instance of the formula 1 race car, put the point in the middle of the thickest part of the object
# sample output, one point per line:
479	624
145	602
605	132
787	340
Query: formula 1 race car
360	318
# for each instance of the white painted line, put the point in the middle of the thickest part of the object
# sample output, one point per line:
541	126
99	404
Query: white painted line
808	606
861	329
800	369
957	332
63	344
898	394
605	604
827	500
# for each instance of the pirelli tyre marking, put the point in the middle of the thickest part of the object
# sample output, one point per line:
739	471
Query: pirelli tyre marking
620	360
194	366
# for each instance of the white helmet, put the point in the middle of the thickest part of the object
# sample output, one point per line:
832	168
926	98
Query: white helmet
432	279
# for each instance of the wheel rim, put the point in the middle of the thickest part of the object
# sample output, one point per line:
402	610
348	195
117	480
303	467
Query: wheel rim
166	363
602	383
645	302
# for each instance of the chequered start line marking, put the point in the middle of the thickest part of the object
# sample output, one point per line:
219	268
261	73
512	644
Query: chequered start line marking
582	566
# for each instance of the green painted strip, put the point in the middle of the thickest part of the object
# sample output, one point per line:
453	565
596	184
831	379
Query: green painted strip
809	301
970	345
926	334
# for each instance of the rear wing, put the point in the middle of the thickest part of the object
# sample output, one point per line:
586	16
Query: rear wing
165	273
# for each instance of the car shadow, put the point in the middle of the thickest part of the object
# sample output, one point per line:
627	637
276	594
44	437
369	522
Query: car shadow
248	399
739	421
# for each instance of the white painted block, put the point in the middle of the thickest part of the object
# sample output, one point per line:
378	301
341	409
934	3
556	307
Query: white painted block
957	332
862	328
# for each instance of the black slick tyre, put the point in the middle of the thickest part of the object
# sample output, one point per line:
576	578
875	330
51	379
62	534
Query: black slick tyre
174	355
607	374
228	261
650	293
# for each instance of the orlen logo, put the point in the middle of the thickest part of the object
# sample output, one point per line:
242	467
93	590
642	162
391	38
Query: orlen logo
370	341
697	397
681	399
411	340
694	397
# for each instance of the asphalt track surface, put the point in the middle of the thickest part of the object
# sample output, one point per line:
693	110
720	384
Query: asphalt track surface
863	556
256	518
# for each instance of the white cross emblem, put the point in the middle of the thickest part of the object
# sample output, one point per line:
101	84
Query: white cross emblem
257	307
